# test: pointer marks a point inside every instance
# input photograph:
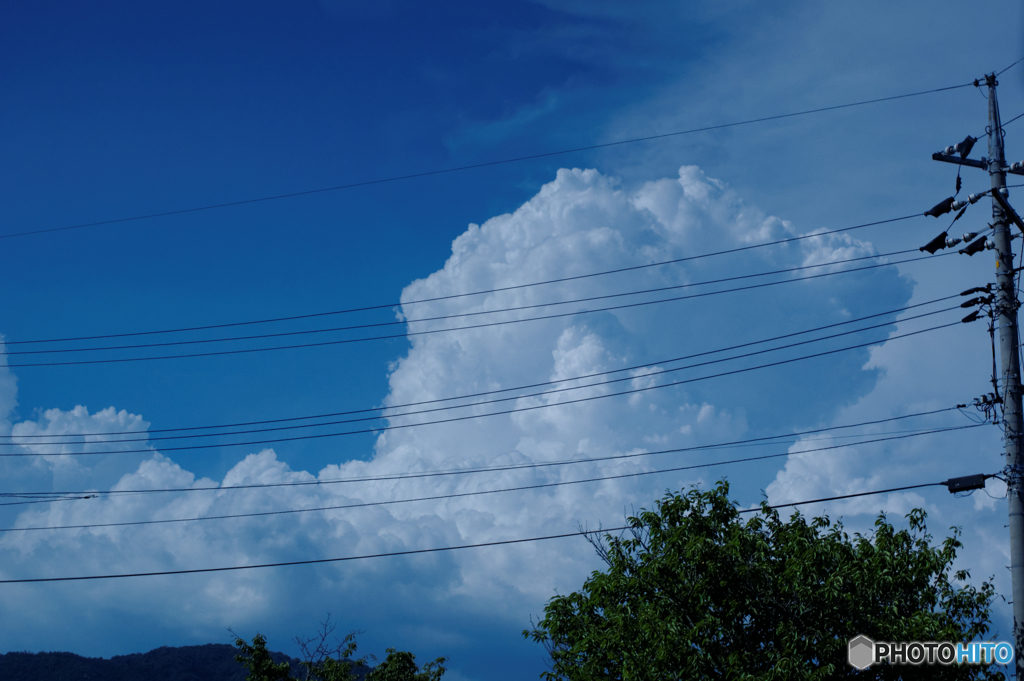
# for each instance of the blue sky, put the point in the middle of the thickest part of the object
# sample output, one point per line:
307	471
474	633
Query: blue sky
114	110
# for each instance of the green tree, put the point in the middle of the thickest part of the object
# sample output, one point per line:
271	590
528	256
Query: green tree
327	661
694	592
401	666
257	660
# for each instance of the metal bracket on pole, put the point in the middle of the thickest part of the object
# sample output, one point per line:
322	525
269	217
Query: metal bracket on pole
1008	209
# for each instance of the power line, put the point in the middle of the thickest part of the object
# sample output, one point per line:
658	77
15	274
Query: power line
848	496
149	438
410	552
486	164
476	326
1010	66
764	439
478	313
458	495
472	293
1012	119
490	392
51	497
497	413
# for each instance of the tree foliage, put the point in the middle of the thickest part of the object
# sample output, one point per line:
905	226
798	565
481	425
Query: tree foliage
323	660
332	661
401	666
694	592
257	660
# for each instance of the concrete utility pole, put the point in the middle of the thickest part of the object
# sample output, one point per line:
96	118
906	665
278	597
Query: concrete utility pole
1006	320
1005	306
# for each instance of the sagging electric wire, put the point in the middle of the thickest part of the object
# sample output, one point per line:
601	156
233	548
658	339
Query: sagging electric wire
410	552
458	495
542	393
487	164
490	414
764	439
488	392
453	296
50	497
1012	119
475	326
478	313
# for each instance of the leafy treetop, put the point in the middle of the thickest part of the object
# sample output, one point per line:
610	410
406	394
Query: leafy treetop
332	662
693	592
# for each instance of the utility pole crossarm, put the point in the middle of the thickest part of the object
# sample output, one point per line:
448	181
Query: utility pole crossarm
953	158
1015	169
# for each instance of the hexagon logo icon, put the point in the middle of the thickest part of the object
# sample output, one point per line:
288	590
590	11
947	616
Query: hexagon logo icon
861	652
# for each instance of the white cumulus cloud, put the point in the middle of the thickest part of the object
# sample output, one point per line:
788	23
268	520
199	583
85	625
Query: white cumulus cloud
581	222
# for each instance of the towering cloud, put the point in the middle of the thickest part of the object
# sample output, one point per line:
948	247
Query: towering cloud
580	223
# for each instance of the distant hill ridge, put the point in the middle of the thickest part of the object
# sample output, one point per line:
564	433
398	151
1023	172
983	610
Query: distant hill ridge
210	662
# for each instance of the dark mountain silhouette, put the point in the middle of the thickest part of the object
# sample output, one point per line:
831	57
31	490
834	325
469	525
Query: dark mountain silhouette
211	662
